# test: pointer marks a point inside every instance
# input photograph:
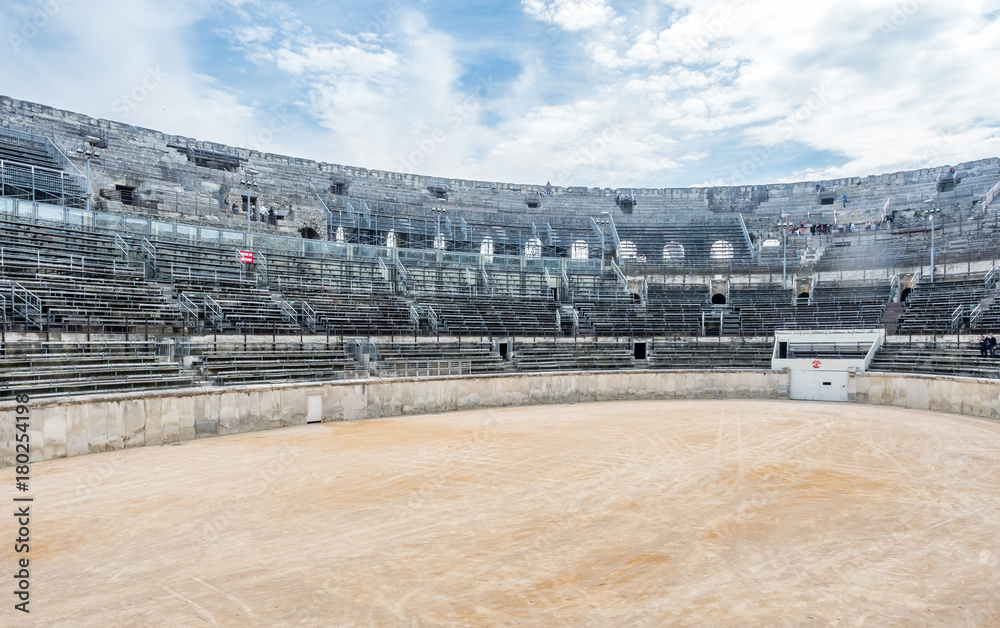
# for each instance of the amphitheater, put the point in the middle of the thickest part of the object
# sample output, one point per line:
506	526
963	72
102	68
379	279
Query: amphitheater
756	405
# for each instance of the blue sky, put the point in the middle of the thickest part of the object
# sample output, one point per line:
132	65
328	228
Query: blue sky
577	92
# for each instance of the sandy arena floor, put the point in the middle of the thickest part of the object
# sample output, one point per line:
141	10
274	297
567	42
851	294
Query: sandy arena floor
675	513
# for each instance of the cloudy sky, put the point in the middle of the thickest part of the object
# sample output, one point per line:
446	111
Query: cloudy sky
610	93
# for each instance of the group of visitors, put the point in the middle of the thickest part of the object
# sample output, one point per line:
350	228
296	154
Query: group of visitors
988	346
266	214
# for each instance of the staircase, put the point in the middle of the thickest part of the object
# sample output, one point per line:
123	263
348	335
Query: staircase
890	317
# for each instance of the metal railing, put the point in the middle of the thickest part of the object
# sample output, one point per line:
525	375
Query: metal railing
189	310
214	313
27	305
894	287
260	263
414	316
956	319
992	277
29	183
123	247
975	316
288	311
432	319
149	253
990	197
487	284
384	270
401	273
621	276
309	317
424	368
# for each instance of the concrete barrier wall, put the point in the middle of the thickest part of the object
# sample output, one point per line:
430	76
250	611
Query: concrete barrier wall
72	427
102	423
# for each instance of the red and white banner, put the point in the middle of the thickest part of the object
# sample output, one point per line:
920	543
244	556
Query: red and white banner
246	257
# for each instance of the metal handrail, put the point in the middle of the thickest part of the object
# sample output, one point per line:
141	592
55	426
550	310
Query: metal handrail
27	304
123	247
383	269
990	197
149	253
432	319
189	309
992	277
309	317
976	315
414	316
288	311
487	284
621	276
956	319
400	270
260	263
214	312
893	287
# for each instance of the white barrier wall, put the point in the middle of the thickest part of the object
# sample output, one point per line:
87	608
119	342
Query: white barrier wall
101	423
72	427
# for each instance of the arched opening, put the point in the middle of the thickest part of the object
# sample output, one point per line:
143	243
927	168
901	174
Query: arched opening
308	233
635	297
486	249
339	235
533	248
673	252
579	250
390	239
905	294
723	249
803	298
627	250
718	299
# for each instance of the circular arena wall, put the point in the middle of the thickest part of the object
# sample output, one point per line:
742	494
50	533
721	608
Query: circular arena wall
90	424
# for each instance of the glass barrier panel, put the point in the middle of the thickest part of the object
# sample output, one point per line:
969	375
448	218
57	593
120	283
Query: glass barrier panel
136	225
51	213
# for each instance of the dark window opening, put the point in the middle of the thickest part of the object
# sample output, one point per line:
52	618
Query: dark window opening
635	297
639	350
905	294
718	299
309	233
126	194
804	297
340	189
782	350
504	349
555	293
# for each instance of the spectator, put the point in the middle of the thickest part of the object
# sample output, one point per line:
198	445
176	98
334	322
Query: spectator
229	203
272	219
253	211
984	346
993	345
845	200
548	188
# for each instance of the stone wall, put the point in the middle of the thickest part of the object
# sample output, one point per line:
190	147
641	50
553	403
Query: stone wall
72	427
144	159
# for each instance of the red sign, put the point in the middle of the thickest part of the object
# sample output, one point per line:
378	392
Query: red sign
246	257
817	364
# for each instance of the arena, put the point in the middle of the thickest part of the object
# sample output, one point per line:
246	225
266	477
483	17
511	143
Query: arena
683	513
251	389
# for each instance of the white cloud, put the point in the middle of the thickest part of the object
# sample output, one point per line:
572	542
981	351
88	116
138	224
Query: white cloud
671	93
571	15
